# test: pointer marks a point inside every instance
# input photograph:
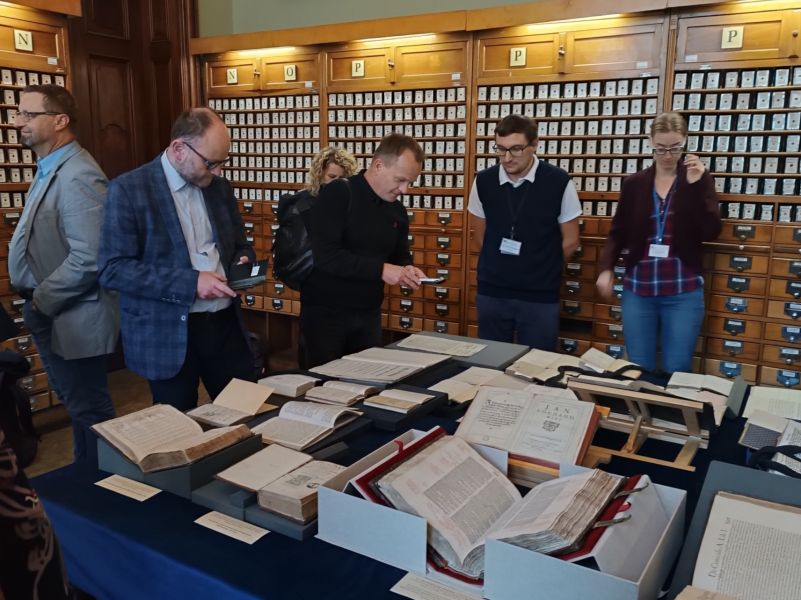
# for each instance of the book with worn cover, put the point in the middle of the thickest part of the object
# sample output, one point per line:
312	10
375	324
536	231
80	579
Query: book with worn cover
238	402
160	437
299	425
294	495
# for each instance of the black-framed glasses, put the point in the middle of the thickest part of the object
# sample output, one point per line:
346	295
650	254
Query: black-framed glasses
25	116
514	150
673	151
210	164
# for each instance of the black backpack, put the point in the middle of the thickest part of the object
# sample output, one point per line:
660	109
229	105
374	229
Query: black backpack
292	246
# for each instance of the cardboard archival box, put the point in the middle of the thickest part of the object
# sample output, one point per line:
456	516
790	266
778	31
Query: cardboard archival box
399	539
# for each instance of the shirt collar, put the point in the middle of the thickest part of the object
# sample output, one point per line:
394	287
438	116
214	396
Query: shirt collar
503	177
174	179
48	163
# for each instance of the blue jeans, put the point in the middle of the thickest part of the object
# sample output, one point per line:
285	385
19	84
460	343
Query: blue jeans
672	321
81	385
536	323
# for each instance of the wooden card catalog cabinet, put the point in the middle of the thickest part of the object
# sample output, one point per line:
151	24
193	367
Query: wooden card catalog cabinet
361	68
226	77
496	53
633	48
437	63
290	72
738	37
43	42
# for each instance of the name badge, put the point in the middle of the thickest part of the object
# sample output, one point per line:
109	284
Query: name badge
511	247
658	251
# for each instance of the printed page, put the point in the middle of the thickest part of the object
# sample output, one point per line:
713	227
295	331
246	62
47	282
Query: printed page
289	384
596	360
418	587
406	395
298	483
746	548
780	402
430	343
542	358
357	388
477	375
332	395
313	413
694	593
494	417
263	467
218	415
718	385
363	370
458	391
144	431
791	436
686	380
392	356
290	433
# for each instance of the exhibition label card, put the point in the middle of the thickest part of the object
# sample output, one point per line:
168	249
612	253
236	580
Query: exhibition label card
421	588
128	487
239	530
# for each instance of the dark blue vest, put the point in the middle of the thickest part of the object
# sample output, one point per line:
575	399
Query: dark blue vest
535	275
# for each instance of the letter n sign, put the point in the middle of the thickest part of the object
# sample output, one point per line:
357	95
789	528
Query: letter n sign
23	40
517	57
732	37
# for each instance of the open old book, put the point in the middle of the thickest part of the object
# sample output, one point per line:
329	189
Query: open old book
440	345
541	365
465	500
401	401
464	386
292	385
302	424
546	426
381	365
595	360
749	549
294	495
161	437
343	393
238	402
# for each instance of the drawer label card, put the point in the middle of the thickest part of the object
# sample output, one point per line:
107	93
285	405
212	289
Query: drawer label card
730	369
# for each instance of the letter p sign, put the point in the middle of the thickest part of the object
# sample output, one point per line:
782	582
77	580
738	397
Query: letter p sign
732	37
517	57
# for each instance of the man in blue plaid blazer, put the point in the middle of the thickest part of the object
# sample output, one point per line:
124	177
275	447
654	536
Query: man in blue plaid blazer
171	231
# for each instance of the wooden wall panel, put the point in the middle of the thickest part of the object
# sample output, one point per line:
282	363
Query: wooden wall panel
107	17
114	131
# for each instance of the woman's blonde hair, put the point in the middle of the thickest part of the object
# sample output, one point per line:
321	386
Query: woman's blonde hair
320	163
669	122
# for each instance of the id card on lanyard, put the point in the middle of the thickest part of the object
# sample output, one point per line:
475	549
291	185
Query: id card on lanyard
509	245
660	250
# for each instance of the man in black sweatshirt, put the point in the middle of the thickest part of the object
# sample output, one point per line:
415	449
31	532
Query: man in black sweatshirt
359	233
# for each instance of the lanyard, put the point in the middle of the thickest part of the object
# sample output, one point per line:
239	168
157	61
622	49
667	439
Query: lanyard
661	215
514	212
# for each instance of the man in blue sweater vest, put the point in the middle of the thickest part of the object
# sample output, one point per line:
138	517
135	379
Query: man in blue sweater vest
524	216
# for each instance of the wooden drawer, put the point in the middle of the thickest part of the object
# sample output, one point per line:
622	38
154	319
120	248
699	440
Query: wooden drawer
576	309
785	289
608	312
40	401
440	310
34	383
741	263
5	286
254	227
787	236
439	326
250	208
785	267
604	225
731	369
569	345
452	260
408	306
417	241
472	262
261	244
442	242
589	226
13	305
277	289
741	349
784	355
444	219
786	334
3	267
8	221
745	233
253	302
405	323
788	311
22	344
282	305
442	294
736	327
574	288
739	284
740	305
608	331
35	361
578	270
586	253
405	291
472	331
472	314
780	377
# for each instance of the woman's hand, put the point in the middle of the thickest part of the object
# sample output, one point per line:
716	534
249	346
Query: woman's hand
695	168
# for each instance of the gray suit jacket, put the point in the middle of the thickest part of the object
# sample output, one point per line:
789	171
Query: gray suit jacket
61	243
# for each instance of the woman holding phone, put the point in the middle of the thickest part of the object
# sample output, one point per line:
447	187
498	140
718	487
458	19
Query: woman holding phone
664	215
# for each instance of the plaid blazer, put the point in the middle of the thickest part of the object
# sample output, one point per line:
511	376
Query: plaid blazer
143	255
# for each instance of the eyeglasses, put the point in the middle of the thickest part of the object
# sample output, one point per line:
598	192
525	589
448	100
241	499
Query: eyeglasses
26	116
210	164
514	150
673	151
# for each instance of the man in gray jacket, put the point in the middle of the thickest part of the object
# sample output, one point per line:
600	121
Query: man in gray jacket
52	261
